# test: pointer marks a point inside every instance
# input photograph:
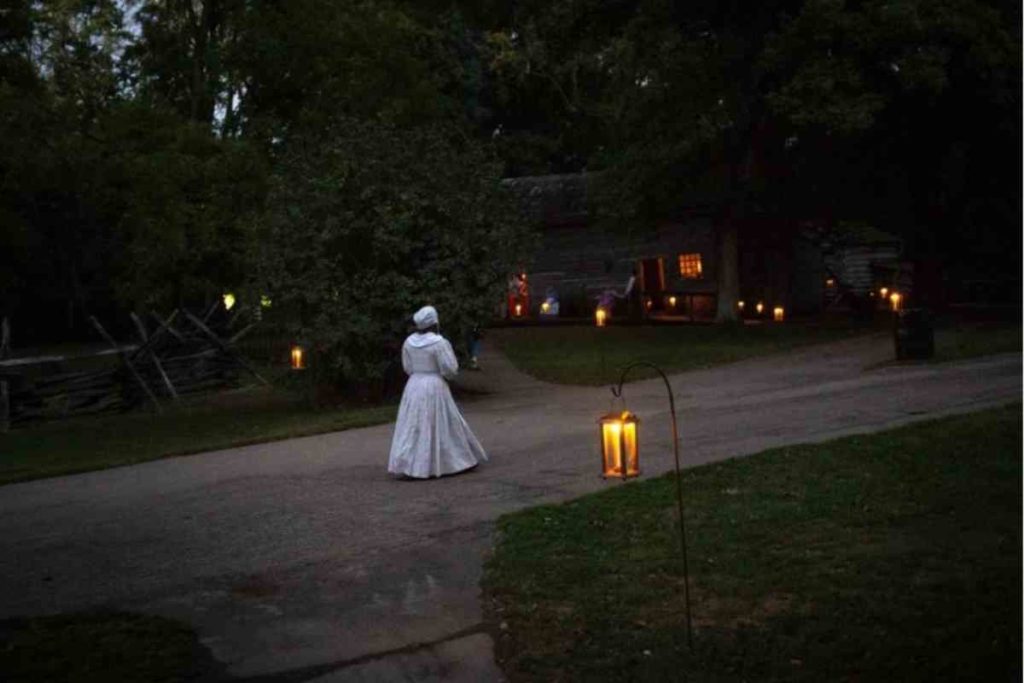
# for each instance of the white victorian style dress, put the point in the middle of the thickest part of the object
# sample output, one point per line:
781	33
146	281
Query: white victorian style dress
431	437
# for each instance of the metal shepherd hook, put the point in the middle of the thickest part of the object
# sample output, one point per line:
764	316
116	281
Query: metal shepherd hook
617	392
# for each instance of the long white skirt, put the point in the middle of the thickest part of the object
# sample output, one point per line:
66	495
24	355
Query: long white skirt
431	437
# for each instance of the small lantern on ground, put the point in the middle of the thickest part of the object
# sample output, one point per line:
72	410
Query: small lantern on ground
620	454
740	305
896	299
884	292
298	358
518	310
778	314
672	301
545	308
600	317
759	308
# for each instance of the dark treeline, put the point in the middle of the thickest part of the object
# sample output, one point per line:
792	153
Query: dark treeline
157	153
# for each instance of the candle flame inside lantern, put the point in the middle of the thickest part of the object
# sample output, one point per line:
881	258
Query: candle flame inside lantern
545	307
896	299
298	359
601	317
779	314
885	292
760	307
519	310
740	305
672	301
229	301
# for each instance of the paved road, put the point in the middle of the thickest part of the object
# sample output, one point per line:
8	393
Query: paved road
304	559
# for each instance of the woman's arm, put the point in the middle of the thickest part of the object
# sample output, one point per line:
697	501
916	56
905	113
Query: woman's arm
446	360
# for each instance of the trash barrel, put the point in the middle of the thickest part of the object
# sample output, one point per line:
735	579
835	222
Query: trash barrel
914	334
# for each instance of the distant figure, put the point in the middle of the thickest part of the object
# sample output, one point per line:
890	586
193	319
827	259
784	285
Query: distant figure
473	343
550	305
632	296
431	437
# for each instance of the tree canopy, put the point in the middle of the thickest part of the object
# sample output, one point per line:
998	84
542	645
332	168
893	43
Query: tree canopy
146	146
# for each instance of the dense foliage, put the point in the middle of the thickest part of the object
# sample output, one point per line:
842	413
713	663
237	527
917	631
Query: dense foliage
368	222
139	139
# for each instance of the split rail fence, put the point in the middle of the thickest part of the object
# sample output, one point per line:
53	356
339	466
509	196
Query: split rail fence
172	357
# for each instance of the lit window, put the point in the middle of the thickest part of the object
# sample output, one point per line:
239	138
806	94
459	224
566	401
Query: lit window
690	266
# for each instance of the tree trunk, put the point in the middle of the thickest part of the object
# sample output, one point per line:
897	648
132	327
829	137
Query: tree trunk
728	270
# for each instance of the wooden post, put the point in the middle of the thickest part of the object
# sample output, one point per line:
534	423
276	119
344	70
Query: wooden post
127	363
152	356
5	338
5	407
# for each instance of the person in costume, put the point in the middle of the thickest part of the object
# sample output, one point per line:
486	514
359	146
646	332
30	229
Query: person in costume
431	437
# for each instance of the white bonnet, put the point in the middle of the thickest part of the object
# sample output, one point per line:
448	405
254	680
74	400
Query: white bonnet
425	317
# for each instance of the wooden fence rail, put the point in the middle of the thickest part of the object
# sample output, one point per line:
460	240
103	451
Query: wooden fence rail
174	356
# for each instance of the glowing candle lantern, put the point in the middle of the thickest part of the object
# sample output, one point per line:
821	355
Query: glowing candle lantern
672	301
601	317
778	314
896	299
884	292
648	303
545	308
740	305
229	301
759	308
519	310
830	282
620	454
298	358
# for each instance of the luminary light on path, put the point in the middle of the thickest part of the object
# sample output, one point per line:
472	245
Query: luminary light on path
229	301
778	314
896	299
600	317
298	358
759	307
620	453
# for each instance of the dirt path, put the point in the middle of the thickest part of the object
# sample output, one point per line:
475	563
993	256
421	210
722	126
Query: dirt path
303	558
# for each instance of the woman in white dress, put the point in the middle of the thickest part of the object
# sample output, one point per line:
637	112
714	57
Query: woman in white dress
431	437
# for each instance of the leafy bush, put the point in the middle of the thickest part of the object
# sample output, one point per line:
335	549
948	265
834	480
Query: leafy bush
365	224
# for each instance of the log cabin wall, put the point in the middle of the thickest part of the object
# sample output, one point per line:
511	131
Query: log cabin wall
577	260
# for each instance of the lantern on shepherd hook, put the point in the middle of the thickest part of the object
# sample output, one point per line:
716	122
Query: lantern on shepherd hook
298	358
620	458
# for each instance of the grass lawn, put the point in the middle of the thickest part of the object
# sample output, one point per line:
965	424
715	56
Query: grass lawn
595	356
955	342
101	648
47	449
889	557
587	355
